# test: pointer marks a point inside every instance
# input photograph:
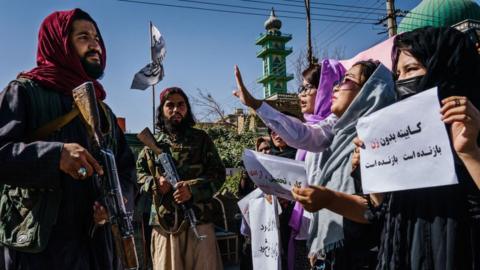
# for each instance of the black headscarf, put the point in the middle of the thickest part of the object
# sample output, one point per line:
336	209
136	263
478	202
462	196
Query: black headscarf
435	227
450	57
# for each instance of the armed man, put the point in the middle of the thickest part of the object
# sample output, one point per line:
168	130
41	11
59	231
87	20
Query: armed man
48	166
178	241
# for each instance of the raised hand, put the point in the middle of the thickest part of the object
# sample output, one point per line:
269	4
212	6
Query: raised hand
242	93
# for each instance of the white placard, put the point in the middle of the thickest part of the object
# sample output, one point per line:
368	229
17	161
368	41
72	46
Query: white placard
244	202
265	237
275	175
406	146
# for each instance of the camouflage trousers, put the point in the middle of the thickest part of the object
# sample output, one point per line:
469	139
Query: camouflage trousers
184	251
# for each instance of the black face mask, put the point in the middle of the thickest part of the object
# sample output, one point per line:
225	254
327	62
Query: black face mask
408	87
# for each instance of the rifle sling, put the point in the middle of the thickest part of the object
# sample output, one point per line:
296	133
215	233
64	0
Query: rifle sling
56	124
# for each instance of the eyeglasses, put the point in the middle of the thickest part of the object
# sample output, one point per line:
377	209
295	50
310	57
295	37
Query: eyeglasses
345	81
308	89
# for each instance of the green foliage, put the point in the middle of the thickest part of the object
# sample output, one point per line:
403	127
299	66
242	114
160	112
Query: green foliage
230	145
231	185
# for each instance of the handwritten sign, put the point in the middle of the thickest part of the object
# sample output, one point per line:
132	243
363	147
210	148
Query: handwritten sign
406	146
265	237
275	175
244	203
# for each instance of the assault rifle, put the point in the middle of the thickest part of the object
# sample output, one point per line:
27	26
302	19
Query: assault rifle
164	160
109	183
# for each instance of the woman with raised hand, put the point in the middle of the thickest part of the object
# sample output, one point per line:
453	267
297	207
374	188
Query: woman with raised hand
310	138
438	227
367	87
315	100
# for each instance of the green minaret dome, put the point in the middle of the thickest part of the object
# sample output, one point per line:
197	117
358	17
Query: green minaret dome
273	53
273	23
439	13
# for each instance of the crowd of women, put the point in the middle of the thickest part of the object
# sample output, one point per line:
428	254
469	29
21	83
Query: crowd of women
428	228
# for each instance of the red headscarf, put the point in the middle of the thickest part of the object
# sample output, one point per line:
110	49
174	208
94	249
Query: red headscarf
58	65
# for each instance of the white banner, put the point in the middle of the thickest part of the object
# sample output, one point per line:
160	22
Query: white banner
265	237
275	175
406	146
244	202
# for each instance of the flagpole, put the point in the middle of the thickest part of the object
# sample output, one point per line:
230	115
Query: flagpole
153	86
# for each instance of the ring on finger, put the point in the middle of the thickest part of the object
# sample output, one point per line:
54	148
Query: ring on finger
82	172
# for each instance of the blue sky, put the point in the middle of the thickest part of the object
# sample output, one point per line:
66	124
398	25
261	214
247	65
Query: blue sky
202	46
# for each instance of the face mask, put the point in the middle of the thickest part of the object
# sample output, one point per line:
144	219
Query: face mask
408	87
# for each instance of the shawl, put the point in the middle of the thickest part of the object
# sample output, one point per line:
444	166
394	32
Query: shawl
326	229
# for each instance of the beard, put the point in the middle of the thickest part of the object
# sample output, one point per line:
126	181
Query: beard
174	127
93	70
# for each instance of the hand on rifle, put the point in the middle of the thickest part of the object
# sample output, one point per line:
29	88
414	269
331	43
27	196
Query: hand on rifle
182	194
164	186
100	215
78	162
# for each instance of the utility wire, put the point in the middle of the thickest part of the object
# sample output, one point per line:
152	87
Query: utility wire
301	6
233	12
335	5
340	33
276	10
326	31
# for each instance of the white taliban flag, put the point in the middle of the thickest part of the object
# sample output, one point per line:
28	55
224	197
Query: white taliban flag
153	72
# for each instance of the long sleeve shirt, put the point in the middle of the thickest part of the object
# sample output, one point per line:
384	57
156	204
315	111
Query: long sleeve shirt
313	138
35	165
197	162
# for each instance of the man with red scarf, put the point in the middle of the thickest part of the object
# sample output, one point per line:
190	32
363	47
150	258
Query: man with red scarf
48	197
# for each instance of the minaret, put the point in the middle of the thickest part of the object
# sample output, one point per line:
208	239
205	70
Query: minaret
274	55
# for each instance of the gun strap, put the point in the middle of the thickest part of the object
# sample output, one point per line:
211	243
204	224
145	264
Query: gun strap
56	124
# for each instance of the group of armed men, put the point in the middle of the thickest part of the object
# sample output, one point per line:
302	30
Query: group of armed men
54	211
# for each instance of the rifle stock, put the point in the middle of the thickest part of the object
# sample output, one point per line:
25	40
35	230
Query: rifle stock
147	138
86	102
111	191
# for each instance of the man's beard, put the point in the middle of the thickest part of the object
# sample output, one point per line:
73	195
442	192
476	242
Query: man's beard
173	127
93	70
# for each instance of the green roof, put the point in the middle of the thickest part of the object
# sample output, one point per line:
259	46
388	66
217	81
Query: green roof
273	37
439	13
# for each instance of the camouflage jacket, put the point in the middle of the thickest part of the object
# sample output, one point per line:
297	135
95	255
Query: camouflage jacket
197	162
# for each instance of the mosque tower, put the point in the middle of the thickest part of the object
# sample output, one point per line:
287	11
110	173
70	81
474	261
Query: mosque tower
274	53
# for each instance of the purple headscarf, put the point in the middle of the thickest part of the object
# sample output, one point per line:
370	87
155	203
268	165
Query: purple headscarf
331	72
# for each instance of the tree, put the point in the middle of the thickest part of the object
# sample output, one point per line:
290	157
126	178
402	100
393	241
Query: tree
211	107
